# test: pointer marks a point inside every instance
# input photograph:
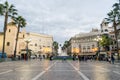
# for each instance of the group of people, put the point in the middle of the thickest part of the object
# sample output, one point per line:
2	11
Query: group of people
41	57
111	59
82	58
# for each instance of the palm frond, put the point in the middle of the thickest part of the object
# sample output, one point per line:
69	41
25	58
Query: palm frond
1	9
116	5
11	6
14	10
20	21
14	13
6	3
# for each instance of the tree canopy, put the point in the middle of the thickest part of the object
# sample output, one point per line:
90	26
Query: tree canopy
105	41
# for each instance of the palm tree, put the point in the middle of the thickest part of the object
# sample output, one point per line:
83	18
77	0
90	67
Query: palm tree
6	10
114	18
21	22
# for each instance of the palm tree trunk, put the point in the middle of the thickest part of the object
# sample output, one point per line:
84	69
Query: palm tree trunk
16	41
115	29
4	36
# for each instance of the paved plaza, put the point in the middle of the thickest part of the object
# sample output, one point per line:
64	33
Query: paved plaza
59	70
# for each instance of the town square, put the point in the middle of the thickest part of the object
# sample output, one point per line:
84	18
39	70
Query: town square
59	40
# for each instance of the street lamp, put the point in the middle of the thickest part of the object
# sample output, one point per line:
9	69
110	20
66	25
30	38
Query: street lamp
27	42
98	38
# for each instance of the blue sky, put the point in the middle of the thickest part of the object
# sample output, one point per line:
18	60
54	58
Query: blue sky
61	18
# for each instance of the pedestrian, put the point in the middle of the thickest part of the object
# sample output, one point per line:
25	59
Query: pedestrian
40	57
112	59
85	58
51	57
79	58
109	59
43	56
64	58
74	57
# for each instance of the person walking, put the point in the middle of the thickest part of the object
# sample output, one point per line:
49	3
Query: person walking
112	59
79	58
51	57
40	57
109	59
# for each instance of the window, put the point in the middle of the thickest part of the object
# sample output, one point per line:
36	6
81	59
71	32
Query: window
93	46
101	30
84	48
23	35
35	44
9	30
88	47
106	30
8	43
113	36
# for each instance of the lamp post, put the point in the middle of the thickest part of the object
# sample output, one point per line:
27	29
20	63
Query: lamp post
98	38
27	42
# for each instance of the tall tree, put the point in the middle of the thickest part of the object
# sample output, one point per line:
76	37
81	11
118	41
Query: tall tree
6	10
21	22
105	42
66	45
55	46
114	18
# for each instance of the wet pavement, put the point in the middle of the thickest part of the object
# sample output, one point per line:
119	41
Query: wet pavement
59	70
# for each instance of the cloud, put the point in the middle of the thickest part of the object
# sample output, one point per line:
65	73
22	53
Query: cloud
61	18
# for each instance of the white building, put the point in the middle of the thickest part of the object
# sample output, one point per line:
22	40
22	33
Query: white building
85	43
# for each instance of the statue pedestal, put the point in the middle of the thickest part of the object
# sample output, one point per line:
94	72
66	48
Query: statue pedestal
63	54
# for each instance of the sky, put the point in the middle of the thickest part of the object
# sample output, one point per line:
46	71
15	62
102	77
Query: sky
61	18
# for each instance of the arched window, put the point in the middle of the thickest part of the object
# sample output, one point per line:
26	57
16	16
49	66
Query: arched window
8	43
93	46
106	30
35	44
23	35
9	30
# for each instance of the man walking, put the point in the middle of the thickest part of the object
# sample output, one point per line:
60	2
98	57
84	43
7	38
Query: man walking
112	59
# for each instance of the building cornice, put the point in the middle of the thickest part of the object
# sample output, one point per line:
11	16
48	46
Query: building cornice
40	35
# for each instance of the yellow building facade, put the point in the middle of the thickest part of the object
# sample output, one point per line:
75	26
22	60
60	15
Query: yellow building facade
39	43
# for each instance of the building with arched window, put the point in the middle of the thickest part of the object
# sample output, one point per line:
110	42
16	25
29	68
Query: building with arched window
39	43
85	43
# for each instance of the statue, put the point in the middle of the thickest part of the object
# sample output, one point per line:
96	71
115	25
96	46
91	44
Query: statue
59	50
